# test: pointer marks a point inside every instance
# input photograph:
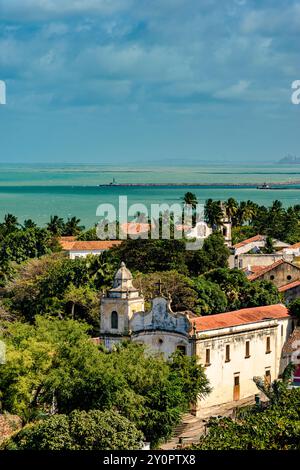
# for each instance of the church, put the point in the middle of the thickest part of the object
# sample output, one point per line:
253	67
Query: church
233	347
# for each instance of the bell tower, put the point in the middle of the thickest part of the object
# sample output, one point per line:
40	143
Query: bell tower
119	304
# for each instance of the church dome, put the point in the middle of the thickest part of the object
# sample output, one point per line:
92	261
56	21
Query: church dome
123	277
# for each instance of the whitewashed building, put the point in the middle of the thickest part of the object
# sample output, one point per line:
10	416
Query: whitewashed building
81	249
233	347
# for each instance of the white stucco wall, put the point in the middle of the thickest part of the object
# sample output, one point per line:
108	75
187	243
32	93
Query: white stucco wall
221	373
83	253
162	342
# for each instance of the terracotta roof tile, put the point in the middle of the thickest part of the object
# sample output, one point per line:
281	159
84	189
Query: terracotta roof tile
256	238
289	286
292	342
89	245
296	245
266	269
240	317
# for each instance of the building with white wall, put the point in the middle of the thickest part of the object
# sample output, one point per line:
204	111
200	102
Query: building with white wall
81	249
233	347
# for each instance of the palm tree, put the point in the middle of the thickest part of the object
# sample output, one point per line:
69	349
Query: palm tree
56	225
29	224
274	390
190	199
72	227
231	208
213	214
10	222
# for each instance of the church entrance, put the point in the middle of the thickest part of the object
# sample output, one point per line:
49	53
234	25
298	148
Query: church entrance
236	388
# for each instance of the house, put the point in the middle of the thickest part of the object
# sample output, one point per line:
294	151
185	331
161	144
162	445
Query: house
233	347
81	249
280	273
291	353
255	244
292	249
290	291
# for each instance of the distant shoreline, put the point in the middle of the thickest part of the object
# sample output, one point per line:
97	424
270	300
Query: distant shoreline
199	185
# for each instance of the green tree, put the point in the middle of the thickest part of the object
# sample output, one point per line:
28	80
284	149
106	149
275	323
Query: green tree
56	225
211	298
177	286
81	430
213	213
294	308
72	227
275	426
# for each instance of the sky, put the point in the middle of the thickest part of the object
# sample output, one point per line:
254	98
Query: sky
145	81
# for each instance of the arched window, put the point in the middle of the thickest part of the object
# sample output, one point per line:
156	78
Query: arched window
181	349
114	320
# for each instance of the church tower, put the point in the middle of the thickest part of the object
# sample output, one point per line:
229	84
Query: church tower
119	304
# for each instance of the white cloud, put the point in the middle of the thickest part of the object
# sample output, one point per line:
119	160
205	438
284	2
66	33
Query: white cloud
234	91
47	9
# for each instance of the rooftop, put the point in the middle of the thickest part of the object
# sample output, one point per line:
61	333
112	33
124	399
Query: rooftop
240	317
256	238
289	286
293	341
96	245
266	269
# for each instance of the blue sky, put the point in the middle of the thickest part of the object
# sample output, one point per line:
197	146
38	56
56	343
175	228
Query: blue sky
108	81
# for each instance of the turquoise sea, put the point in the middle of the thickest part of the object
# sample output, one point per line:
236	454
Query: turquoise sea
38	191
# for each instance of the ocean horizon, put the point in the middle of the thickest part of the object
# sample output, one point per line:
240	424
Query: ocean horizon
37	191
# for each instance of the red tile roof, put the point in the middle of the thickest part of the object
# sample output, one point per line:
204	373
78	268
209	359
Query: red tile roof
289	286
293	341
266	269
256	238
295	246
254	269
95	245
240	317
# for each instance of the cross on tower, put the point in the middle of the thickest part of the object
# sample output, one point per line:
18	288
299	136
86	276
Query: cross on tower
159	285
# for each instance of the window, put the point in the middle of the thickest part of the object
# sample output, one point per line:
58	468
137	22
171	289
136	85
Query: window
207	357
227	353
289	277
268	345
247	353
268	376
272	277
181	349
281	330
114	321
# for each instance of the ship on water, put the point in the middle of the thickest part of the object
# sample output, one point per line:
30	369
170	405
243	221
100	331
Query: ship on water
264	186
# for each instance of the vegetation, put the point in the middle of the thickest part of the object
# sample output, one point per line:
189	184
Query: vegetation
73	394
274	426
80	430
53	368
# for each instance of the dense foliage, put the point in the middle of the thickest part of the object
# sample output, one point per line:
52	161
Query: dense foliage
80	430
275	427
54	367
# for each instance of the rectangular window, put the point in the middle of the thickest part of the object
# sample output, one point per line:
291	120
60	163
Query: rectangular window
227	353
268	345
281	330
268	376
247	352
207	357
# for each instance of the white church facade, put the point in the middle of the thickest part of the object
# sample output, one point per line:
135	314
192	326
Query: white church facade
233	347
